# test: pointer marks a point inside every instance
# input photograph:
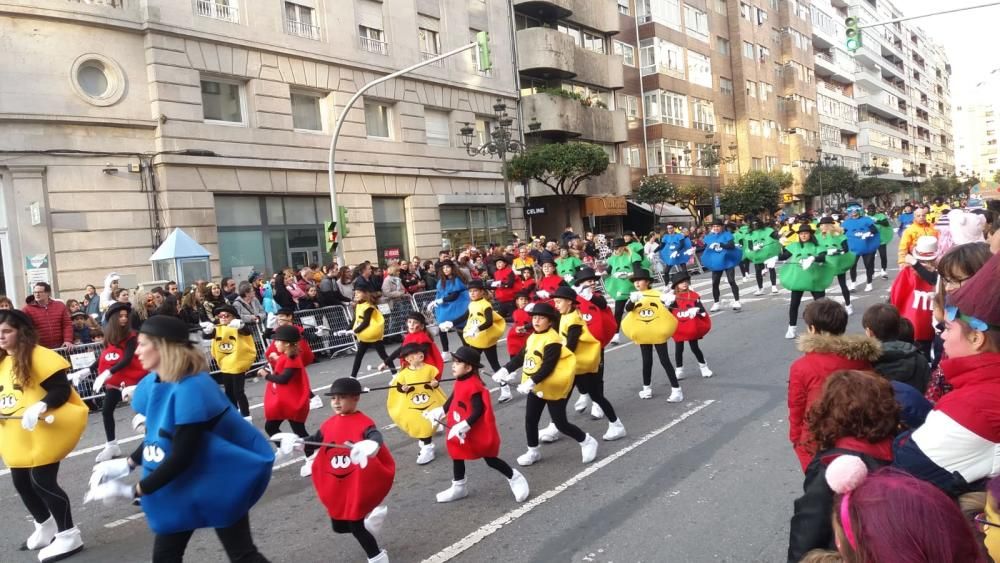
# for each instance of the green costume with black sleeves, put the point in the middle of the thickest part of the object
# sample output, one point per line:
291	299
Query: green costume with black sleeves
885	231
760	246
635	247
817	277
842	260
620	288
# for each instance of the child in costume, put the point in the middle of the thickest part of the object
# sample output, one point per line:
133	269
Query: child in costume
284	317
354	469
547	380
838	255
721	255
203	465
567	263
762	246
650	325
472	428
884	238
913	291
550	281
693	323
413	391
484	329
805	270
504	286
863	240
617	283
369	327
739	237
600	320
526	282
416	333
286	396
676	250
34	446
520	326
451	303
234	351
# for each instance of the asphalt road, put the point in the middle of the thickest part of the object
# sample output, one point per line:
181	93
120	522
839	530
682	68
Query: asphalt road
708	479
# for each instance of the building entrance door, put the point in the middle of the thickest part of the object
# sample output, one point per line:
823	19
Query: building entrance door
298	258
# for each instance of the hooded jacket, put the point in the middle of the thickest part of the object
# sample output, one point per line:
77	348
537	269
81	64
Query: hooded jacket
823	354
901	361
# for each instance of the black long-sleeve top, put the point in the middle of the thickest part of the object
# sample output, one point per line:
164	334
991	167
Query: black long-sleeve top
129	354
57	390
365	320
184	446
475	409
785	255
550	358
573	337
925	274
488	314
282	378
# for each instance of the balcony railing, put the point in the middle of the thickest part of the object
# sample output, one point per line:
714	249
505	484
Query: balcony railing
302	29
216	10
374	45
108	3
680	170
424	55
662	69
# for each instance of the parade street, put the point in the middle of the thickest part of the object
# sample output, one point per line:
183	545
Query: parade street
709	479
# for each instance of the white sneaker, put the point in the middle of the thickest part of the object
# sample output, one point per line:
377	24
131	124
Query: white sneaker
307	466
248	418
705	372
790	333
760	291
850	310
868	287
616	431
110	451
882	274
737	306
549	434
715	307
676	395
679	372
382	557
615	339
63	545
426	454
455	492
774	290
376	519
596	412
588	449
315	403
42	536
519	486
744	279
646	393
583	403
529	457
504	394
850	286
445	356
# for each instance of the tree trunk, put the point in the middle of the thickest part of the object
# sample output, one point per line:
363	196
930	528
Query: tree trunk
567	209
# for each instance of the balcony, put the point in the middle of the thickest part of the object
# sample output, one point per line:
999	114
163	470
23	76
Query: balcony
302	29
548	54
600	15
677	170
545	10
424	55
833	67
616	180
373	45
563	118
219	10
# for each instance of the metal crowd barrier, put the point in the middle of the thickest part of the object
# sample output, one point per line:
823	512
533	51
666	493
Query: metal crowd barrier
81	357
335	318
395	312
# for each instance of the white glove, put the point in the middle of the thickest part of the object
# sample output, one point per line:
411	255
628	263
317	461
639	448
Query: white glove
622	275
434	416
363	450
77	375
322	330
756	246
287	442
460	431
831	251
674	254
495	284
526	387
501	376
866	234
689	251
30	417
771	262
667	296
139	423
101	379
715	246
531	306
586	292
111	492
438	302
446	326
568	278
635	296
471	331
807	261
344	332
207	327
272	321
112	470
127	392
235	323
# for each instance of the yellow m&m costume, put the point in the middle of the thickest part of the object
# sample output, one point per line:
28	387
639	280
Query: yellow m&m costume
233	351
649	322
376	326
588	350
477	318
560	382
406	409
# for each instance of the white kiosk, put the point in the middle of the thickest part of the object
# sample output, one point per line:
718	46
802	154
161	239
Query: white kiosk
180	258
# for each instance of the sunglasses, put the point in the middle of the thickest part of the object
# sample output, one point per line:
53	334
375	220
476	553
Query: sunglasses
982	523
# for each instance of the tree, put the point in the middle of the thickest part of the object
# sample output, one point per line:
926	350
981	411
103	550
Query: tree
836	181
942	186
658	189
755	192
878	189
560	166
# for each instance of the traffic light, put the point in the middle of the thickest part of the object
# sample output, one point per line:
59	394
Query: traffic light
853	34
483	50
342	218
330	228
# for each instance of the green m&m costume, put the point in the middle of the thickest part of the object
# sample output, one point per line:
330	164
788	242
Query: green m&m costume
840	262
760	246
885	231
817	277
635	247
620	288
567	266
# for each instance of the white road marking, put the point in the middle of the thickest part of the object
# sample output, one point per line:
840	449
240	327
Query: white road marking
126	520
491	528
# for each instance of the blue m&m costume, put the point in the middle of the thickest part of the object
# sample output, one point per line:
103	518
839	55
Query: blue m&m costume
674	249
862	235
455	309
724	259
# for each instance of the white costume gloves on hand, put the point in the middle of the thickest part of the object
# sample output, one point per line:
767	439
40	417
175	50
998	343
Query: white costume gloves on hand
127	392
586	292
139	423
568	278
363	450
541	294
322	330
495	284
30	417
771	262
287	444
635	296
667	296
526	387
446	326
460	431
207	327
690	251
435	416
674	254
715	246
622	275
831	251
111	470
111	492
101	379
78	375
343	332
471	331
807	261
235	323
531	306
501	376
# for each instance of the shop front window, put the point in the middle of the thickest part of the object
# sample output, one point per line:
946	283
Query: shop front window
478	226
390	228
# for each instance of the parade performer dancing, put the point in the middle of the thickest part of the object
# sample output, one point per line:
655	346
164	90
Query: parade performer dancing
484	329
414	391
721	255
839	258
805	270
369	327
885	233
863	240
549	282
677	250
650	325
286	396
600	320
762	246
693	322
451	303
617	283
234	352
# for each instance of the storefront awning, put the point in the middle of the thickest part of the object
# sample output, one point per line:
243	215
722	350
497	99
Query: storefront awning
664	212
605	206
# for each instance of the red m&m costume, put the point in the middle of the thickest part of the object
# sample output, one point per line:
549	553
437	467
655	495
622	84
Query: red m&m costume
693	323
305	352
433	354
516	340
483	440
346	490
112	354
288	401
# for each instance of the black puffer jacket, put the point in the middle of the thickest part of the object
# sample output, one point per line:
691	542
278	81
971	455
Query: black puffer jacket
901	361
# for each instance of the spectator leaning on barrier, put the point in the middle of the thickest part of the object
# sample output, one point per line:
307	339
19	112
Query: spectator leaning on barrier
91	301
247	305
51	318
392	285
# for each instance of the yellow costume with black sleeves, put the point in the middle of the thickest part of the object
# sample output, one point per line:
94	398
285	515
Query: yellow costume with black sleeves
47	443
559	383
477	317
649	322
406	409
376	327
588	350
234	352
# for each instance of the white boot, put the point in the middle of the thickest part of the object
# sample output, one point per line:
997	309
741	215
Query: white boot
676	395
504	394
596	412
110	451
615	339
760	291
715	307
583	403
868	287
445	356
382	557
588	449
679	372
850	286
426	454
737	306
519	486
549	434
616	431
307	467
646	393
774	290
850	310
705	372
376	519
530	457
42	536
790	333
455	492
65	544
315	403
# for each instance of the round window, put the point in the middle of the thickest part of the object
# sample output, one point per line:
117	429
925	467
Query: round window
98	80
93	81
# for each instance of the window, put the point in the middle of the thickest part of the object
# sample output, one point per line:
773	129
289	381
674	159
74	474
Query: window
522	21
761	16
770	163
756	164
763	53
571	31
300	20
479	226
378	120
696	22
720	6
370	26
430	43
729	125
751	88
436	126
630	156
623	7
668	156
609	149
306	113
746	12
748	51
593	42
372	40
665	107
225	10
754	127
625	51
483	129
631	105
666	12
222	101
699	69
722	45
726	86
765	90
702	115
659	56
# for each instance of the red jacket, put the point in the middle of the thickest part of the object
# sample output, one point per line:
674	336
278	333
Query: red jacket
52	323
823	354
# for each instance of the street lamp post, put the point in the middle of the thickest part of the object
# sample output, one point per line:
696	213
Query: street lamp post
501	144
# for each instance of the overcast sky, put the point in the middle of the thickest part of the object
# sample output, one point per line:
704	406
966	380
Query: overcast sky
969	38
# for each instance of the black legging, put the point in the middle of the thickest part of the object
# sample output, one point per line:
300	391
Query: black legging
745	267
842	280
42	495
883	260
731	277
236	540
379	349
458	467
869	261
647	363
364	537
533	407
491	356
620	311
758	270
681	267
593	384
679	352
458	323
793	307
112	396
234	385
272	427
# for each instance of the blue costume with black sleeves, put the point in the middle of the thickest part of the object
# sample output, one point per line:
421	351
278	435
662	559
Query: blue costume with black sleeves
451	310
674	246
719	260
862	235
233	466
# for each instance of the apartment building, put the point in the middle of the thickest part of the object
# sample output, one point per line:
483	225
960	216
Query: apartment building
122	119
977	144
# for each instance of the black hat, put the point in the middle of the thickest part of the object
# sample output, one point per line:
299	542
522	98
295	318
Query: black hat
827	221
344	386
523	293
171	329
225	309
583	274
618	242
718	221
417	316
805	228
412	348
545	261
500	257
477	284
545	310
467	355
287	333
114	308
448	262
564	292
282	311
639	273
678	278
529	268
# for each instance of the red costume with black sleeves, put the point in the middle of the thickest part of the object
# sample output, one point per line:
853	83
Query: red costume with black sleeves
346	490
913	297
125	377
503	293
693	323
432	357
515	340
305	352
483	440
597	320
288	401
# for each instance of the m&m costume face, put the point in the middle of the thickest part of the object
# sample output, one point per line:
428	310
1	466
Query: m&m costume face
406	409
483	440
234	352
649	322
350	492
560	382
477	317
